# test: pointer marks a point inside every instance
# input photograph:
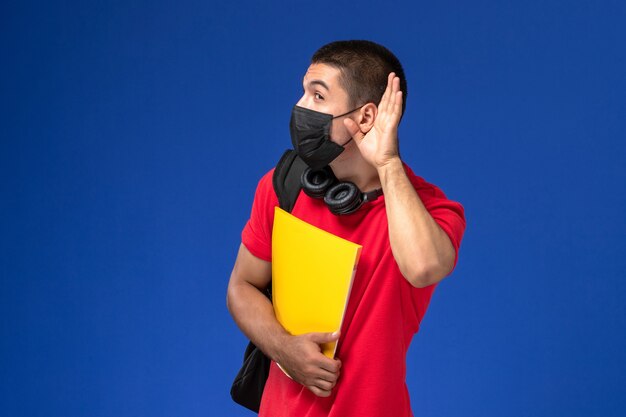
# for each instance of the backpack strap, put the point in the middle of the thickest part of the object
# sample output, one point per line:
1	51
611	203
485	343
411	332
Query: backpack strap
249	383
286	179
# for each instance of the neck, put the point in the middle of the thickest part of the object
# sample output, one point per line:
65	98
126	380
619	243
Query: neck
350	166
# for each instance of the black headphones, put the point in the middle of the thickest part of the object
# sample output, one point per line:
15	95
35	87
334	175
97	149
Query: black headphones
340	197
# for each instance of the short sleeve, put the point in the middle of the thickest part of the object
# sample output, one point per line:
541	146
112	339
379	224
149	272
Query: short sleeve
449	214
257	233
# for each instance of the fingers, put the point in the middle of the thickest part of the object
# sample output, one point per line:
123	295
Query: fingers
329	366
315	372
322	387
397	95
321	381
321	338
385	98
353	128
397	108
323	362
325	385
318	391
309	366
390	87
392	98
395	88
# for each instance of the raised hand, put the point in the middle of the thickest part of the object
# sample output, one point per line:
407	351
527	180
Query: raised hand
380	144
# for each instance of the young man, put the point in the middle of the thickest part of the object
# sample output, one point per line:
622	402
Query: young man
348	118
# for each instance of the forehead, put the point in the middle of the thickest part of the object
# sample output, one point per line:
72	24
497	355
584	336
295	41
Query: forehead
324	74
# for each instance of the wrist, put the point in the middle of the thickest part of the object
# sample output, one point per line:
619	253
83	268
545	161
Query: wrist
391	167
279	341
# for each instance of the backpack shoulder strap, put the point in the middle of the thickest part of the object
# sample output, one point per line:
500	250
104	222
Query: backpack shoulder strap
286	179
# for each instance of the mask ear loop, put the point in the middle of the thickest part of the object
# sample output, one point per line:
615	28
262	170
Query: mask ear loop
341	115
346	113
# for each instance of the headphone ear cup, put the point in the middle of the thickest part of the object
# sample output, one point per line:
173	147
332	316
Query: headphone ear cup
315	183
343	198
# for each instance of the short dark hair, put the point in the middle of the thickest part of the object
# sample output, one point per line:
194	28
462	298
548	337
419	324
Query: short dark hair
364	67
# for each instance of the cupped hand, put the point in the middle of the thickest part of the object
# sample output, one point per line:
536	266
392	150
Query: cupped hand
380	145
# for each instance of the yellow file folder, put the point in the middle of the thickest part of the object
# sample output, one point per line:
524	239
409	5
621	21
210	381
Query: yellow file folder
312	272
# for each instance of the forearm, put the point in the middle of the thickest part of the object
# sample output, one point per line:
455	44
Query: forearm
254	314
420	247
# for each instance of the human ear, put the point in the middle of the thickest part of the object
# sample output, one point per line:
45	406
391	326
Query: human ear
367	116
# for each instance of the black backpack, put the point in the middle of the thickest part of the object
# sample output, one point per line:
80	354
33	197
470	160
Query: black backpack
247	388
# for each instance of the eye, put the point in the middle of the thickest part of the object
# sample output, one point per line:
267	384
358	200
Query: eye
318	96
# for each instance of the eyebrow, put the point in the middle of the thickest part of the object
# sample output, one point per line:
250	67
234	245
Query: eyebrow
318	82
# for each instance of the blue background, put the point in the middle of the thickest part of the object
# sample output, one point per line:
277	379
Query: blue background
132	138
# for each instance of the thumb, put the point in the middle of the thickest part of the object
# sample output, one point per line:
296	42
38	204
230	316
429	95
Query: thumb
320	338
353	128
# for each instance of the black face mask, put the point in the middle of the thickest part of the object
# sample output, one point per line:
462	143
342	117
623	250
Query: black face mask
310	136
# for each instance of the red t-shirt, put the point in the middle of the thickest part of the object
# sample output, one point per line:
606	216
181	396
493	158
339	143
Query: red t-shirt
383	313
